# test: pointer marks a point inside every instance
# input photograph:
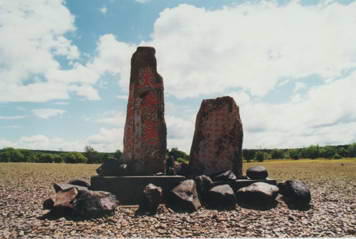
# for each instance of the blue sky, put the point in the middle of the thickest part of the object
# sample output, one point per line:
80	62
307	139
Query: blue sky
64	69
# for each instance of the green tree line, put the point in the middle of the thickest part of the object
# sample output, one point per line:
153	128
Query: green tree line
310	152
41	156
91	156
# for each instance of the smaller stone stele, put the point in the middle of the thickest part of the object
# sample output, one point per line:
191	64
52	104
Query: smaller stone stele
217	142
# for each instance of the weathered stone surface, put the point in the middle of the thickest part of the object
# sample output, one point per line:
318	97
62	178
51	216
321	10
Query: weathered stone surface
257	172
226	176
184	197
112	167
94	204
61	199
257	194
152	197
79	182
296	192
145	136
65	186
221	197
217	142
204	183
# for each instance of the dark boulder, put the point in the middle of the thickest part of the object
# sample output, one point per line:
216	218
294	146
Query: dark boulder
225	176
184	197
204	183
151	198
112	167
257	172
65	186
221	197
91	204
61	200
79	182
295	192
259	195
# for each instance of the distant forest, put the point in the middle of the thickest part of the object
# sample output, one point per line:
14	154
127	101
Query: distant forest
91	156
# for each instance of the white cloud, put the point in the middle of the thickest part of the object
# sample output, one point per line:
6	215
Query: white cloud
107	139
252	46
103	10
323	116
33	34
47	113
113	118
15	117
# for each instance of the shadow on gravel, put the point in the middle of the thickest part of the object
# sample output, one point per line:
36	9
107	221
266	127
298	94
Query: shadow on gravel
68	215
256	206
292	205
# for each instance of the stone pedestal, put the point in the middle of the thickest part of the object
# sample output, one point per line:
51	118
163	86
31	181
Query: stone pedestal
145	136
217	142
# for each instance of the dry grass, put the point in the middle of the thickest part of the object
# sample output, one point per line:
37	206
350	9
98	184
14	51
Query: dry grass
24	186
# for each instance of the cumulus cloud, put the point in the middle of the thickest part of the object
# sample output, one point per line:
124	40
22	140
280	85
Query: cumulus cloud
29	68
47	113
252	46
322	116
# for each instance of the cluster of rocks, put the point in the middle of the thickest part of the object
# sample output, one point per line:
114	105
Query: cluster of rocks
75	199
223	191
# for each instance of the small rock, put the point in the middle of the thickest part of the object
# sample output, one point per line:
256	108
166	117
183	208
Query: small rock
226	176
112	167
95	204
184	197
257	172
204	183
152	197
65	186
221	197
295	192
257	194
62	201
79	182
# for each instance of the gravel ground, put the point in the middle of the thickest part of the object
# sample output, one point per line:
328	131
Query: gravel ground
332	214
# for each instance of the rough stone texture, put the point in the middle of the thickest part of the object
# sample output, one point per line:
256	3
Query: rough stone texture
184	197
221	197
79	182
257	194
217	142
58	187
94	204
152	197
257	172
61	199
145	136
296	192
204	183
227	176
112	167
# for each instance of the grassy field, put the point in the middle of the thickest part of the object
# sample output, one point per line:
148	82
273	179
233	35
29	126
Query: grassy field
24	186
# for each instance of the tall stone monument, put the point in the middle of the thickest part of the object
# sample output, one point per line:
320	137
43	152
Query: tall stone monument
145	136
217	142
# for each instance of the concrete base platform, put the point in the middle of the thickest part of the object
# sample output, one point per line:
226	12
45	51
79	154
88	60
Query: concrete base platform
128	189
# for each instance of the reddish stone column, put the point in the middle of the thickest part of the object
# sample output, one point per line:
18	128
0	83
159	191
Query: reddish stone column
217	142
145	137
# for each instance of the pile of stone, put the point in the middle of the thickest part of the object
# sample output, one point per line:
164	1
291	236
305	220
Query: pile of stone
75	199
224	191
